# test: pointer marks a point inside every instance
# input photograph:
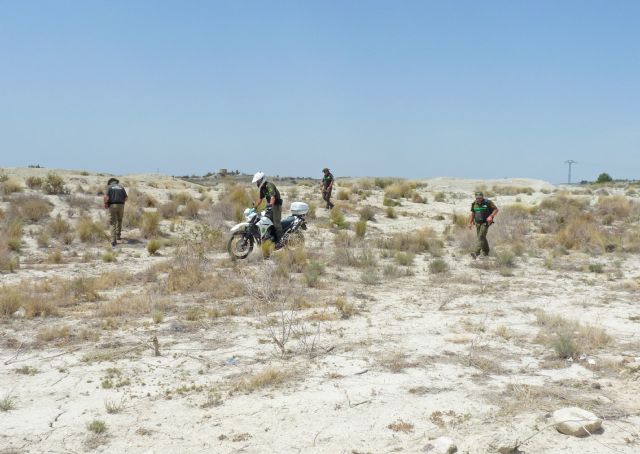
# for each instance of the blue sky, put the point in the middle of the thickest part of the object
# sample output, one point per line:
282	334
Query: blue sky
479	89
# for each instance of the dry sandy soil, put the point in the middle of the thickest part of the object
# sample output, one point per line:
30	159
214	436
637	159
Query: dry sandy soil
354	344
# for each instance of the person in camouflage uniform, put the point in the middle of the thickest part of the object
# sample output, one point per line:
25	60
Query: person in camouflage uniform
114	200
269	192
327	187
483	212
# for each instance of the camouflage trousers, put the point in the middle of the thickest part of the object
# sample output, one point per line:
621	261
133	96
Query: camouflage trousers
482	244
326	196
116	211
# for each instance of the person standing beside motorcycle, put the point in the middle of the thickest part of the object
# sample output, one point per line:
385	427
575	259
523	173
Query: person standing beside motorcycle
483	212
268	191
327	187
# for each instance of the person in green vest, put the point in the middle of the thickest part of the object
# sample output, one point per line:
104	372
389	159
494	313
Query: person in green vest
483	212
327	187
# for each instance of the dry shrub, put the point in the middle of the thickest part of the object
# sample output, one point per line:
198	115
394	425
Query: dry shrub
344	194
141	199
9	187
337	218
58	227
564	206
84	203
270	377
401	426
582	233
292	260
367	214
191	209
569	338
631	239
192	275
616	207
53	184
39	306
10	300
181	198
512	190
33	182
31	207
360	228
400	189
169	210
127	304
89	231
512	226
8	260
11	235
460	220
150	224
423	240
153	246
54	333
132	215
346	309
237	199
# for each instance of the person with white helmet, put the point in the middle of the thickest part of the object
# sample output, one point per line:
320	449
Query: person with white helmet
268	191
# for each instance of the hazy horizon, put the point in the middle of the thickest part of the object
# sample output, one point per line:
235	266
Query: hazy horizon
414	89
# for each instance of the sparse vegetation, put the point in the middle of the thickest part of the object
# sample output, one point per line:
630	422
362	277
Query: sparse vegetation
53	184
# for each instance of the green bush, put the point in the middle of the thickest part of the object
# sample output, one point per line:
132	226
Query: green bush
604	178
438	266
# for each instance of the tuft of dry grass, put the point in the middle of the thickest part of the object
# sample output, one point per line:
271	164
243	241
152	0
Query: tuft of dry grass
9	187
423	240
270	377
569	338
53	184
54	334
150	224
30	207
89	231
33	182
153	246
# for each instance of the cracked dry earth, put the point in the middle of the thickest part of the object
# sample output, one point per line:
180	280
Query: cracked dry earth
373	364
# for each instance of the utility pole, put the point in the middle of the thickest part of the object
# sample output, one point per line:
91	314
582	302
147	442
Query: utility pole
570	162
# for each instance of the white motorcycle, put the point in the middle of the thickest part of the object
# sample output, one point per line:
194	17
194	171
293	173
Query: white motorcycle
258	228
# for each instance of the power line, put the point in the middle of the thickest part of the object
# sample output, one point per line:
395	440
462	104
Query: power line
570	162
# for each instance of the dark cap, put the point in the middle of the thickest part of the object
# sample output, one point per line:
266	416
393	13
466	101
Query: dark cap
113	180
479	194
326	169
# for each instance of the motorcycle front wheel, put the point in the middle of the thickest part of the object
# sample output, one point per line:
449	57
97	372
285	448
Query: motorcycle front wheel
239	247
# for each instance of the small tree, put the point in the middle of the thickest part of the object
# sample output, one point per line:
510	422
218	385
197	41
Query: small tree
604	178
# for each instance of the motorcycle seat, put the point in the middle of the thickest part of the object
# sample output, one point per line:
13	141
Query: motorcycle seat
286	222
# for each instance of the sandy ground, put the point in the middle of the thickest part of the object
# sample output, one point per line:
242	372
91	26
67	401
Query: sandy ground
420	356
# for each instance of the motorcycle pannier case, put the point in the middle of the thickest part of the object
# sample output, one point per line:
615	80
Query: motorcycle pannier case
299	208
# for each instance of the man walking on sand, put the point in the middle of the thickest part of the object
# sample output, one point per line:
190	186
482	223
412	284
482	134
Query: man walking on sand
114	201
327	187
483	212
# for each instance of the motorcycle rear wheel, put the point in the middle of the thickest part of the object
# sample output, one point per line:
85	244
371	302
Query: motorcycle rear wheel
239	247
